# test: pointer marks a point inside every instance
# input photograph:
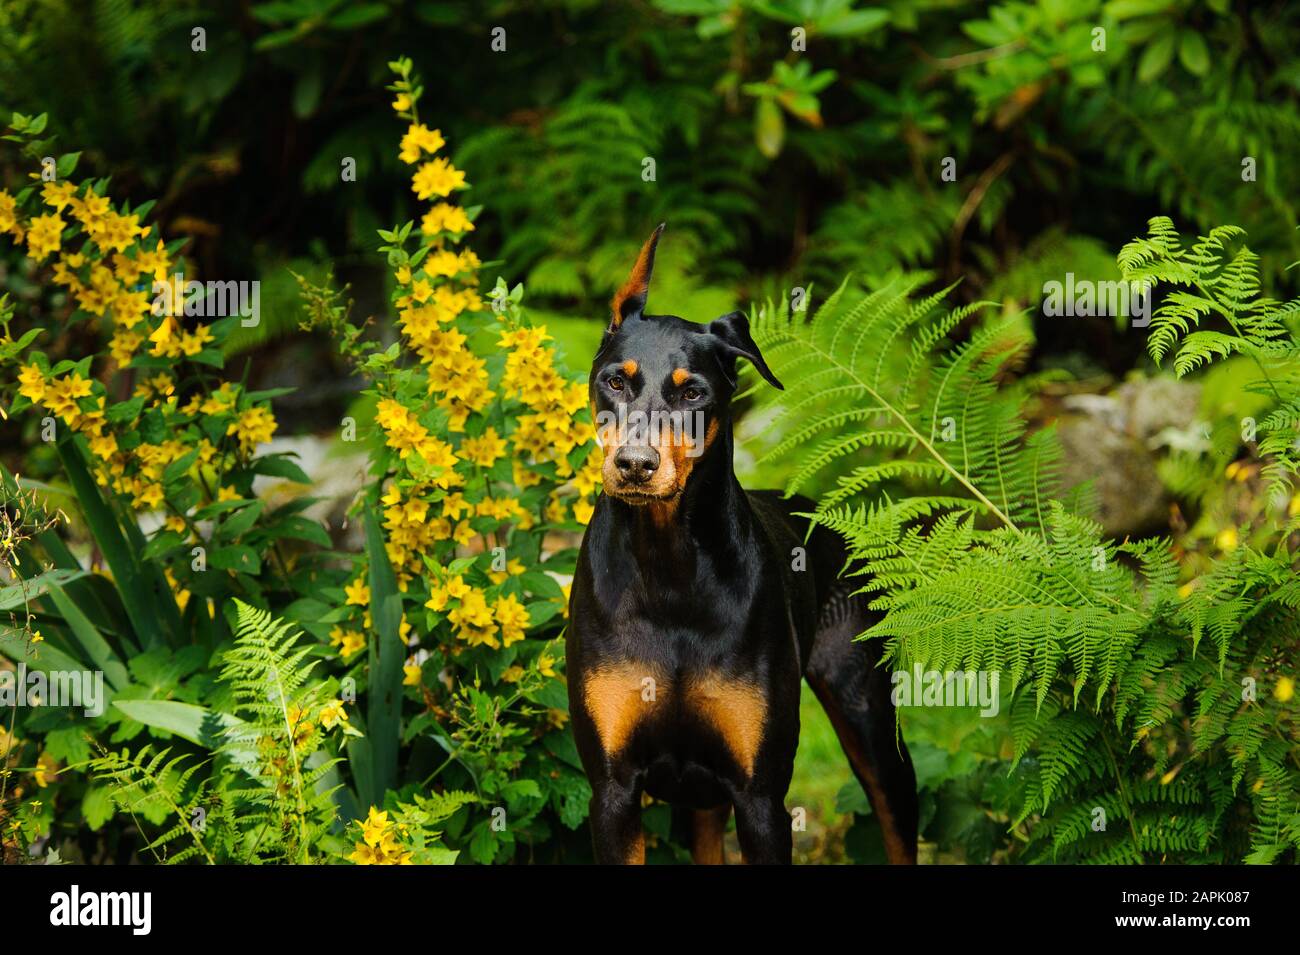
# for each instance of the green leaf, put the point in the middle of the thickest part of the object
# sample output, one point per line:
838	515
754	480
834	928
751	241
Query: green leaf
299	528
66	164
281	465
95	648
138	598
1156	58
97	806
769	128
238	523
1193	53
16	594
384	710
236	557
197	724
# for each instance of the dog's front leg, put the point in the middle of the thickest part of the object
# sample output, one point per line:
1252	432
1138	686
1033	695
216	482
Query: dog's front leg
763	828
616	822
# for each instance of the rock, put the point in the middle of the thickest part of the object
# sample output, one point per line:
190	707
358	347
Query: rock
1111	439
337	475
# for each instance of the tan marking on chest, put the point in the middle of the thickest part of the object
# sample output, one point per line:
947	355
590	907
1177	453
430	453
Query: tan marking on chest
618	698
736	709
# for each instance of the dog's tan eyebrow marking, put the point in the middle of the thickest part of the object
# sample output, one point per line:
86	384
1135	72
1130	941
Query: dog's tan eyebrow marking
679	376
630	367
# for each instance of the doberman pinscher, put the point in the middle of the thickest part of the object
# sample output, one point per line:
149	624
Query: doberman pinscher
697	606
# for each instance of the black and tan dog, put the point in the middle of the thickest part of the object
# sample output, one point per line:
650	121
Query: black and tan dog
697	607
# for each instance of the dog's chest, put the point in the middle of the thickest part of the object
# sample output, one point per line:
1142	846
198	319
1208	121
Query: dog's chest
642	703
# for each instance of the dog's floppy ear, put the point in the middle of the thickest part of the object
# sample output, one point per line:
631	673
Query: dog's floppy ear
629	301
731	332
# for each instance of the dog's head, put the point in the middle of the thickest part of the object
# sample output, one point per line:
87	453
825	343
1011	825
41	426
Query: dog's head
660	388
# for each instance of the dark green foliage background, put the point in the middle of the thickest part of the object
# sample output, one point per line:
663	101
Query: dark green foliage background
775	169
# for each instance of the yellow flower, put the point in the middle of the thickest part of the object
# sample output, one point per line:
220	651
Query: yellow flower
46	235
365	855
58	194
546	664
253	427
332	714
375	827
1284	690
435	178
446	218
104	446
484	450
348	641
124	345
31	383
402	103
9	214
513	569
412	674
474	619
419	137
358	593
165	336
37	637
1226	539
47	767
513	618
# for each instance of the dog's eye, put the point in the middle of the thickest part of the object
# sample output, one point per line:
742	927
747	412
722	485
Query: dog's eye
615	382
692	394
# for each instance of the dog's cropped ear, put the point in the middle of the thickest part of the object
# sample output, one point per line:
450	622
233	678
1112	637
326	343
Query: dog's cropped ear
629	301
731	332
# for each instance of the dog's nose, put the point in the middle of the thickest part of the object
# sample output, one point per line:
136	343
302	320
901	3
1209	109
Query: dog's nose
636	463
